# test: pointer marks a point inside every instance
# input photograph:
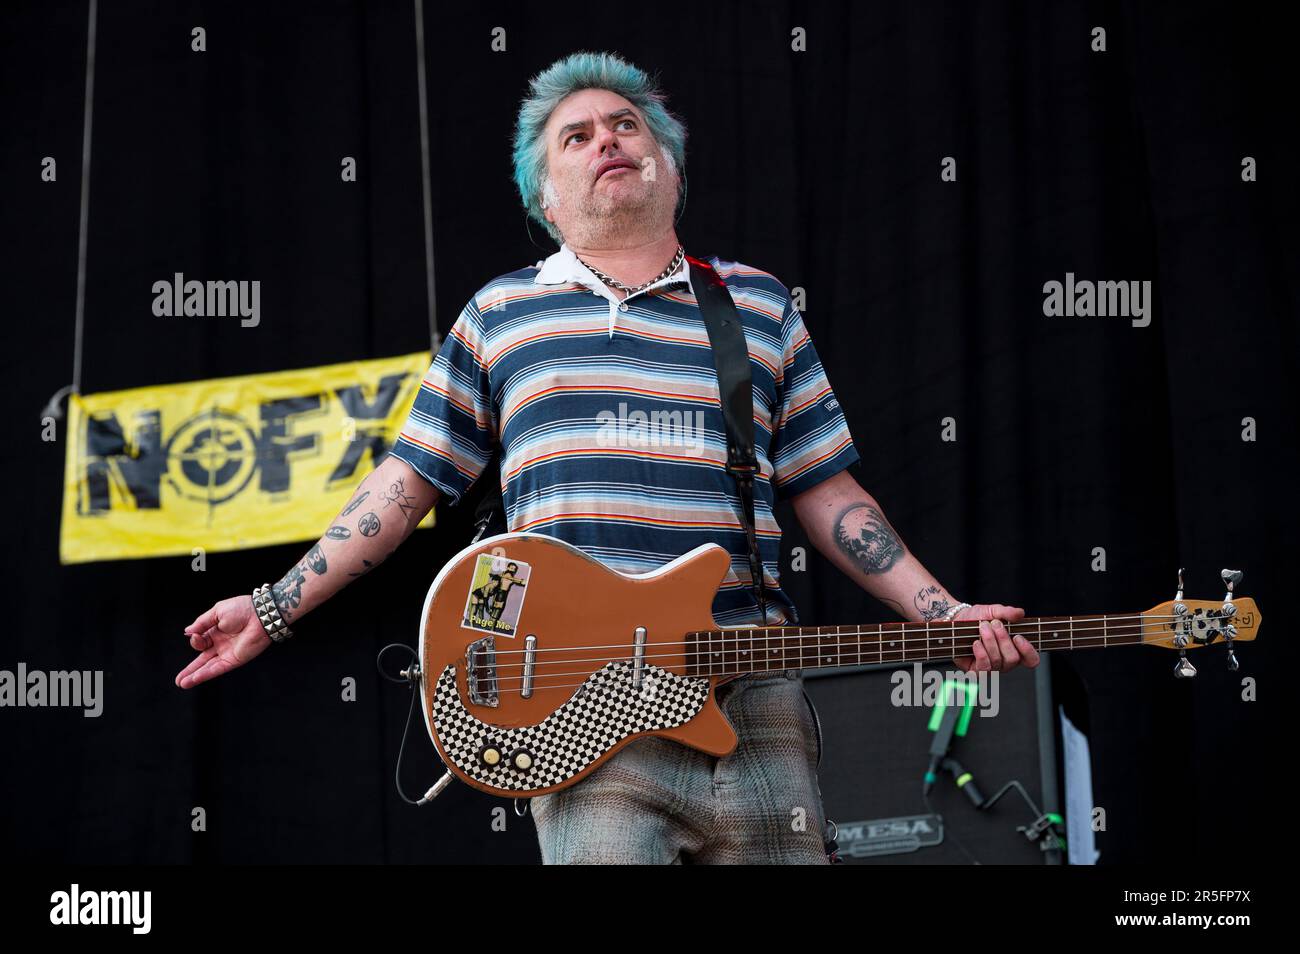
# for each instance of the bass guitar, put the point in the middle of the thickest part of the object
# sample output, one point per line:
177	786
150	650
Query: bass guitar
538	662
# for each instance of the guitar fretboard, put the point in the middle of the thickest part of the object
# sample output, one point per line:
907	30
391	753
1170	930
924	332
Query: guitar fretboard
724	652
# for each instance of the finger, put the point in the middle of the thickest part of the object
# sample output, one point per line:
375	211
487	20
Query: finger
205	622
211	668
963	662
1027	652
982	663
1010	655
1004	612
197	663
990	644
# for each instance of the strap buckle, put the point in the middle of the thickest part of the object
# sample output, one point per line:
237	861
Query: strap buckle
742	462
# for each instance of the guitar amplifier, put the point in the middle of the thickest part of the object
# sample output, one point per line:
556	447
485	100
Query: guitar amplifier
875	724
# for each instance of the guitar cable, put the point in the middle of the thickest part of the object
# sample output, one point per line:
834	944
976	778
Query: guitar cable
1043	830
409	676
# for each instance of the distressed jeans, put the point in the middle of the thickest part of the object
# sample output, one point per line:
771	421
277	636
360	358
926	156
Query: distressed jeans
658	802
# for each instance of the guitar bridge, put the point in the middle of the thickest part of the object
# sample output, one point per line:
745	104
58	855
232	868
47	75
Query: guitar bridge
481	672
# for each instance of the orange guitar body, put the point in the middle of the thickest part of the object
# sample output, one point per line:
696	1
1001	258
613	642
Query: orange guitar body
583	619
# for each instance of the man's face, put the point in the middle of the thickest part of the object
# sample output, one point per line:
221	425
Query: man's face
606	171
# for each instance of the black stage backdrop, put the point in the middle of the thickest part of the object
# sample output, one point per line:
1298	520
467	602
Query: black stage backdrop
924	297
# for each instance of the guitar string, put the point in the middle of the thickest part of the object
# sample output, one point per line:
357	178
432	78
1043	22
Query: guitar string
1058	643
806	665
1114	632
965	627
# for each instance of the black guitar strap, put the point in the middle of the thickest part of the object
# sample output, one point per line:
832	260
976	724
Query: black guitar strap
735	389
490	514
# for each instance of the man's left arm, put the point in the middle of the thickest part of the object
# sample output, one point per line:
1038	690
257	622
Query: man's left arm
847	525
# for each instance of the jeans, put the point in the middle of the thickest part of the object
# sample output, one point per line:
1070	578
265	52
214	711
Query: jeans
658	802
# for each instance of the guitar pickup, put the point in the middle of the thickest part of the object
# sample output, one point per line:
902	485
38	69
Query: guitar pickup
530	664
481	672
638	656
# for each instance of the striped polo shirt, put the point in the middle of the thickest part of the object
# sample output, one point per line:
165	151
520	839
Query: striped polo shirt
609	422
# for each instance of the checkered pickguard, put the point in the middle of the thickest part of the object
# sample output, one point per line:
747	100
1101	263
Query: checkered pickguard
603	711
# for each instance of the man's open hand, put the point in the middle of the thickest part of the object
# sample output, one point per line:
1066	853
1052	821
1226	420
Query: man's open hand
996	649
225	637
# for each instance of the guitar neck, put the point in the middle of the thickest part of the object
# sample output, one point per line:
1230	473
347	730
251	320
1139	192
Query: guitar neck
729	652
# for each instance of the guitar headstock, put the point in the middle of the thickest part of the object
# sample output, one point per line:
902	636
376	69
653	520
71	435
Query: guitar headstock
1190	624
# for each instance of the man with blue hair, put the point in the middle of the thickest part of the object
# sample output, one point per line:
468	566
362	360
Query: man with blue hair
606	337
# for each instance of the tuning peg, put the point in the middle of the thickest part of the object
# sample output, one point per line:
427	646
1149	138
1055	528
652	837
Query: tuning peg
1183	669
1231	579
1229	634
1180	608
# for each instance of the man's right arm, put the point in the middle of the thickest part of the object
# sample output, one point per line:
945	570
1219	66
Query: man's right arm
381	513
450	434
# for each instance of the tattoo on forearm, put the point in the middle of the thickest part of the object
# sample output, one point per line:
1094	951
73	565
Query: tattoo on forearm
315	559
931	603
287	594
865	536
368	524
355	504
397	494
338	533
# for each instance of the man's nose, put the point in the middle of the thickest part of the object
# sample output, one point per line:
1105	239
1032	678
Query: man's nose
606	137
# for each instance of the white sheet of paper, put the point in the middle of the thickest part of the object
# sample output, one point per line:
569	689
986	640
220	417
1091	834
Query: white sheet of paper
1078	795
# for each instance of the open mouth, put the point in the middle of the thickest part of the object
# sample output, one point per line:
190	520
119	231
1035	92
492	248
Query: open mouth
614	166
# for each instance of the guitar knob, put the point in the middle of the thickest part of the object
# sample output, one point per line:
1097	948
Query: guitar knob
521	760
490	755
1184	669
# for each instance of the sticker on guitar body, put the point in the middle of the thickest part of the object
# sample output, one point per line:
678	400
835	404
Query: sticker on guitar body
496	595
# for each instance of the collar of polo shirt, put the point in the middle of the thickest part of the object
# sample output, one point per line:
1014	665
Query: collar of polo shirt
564	267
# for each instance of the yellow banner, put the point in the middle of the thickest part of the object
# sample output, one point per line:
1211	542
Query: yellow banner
228	463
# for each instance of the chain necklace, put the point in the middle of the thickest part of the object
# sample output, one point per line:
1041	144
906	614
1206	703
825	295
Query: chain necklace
631	290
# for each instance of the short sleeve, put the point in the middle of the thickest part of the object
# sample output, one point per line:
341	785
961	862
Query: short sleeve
451	431
811	439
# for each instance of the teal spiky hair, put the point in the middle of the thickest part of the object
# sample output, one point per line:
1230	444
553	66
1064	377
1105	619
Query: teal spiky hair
578	71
